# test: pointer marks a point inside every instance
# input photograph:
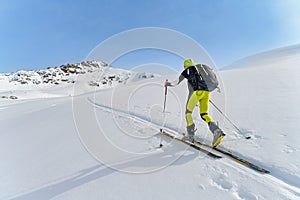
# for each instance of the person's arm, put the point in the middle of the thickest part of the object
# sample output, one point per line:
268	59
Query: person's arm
175	82
182	76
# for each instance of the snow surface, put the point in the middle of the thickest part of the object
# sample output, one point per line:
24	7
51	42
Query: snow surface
91	142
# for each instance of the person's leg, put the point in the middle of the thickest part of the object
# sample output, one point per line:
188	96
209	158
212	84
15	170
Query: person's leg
204	108
213	127
203	98
190	105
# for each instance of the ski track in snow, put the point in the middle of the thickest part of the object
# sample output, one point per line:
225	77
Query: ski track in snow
223	182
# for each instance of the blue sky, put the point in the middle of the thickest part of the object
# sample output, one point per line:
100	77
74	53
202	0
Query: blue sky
39	33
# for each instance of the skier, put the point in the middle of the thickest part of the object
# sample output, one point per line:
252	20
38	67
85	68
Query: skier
198	93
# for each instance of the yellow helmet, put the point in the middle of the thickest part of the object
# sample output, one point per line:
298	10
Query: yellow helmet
188	63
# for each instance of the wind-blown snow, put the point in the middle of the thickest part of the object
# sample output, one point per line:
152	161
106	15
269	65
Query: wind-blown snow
46	155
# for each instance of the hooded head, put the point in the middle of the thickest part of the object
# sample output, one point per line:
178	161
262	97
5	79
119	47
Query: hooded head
188	63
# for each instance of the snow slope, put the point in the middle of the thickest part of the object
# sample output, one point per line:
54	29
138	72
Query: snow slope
103	144
282	55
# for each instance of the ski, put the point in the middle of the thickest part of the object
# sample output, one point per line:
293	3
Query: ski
197	145
235	158
210	154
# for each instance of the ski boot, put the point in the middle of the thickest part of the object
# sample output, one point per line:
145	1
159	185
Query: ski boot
190	133
218	134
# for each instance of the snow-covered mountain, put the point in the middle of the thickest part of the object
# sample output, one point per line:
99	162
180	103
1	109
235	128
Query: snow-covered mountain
53	75
104	144
60	80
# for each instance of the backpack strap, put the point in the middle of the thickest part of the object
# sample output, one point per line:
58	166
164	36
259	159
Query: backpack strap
204	69
199	72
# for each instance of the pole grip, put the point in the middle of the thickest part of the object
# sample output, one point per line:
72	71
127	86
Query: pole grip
166	89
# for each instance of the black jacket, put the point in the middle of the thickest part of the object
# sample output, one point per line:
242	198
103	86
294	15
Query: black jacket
195	82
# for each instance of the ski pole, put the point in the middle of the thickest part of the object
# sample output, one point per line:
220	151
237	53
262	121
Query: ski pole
166	91
165	100
247	137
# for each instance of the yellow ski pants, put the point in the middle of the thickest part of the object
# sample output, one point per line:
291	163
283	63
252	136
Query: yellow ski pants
201	97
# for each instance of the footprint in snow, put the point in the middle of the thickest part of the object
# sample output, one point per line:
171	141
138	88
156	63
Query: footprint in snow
244	194
283	135
222	183
202	187
289	149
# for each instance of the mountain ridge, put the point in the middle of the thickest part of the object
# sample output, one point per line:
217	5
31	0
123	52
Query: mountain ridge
61	80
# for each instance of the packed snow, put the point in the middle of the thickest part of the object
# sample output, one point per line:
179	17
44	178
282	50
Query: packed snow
86	139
